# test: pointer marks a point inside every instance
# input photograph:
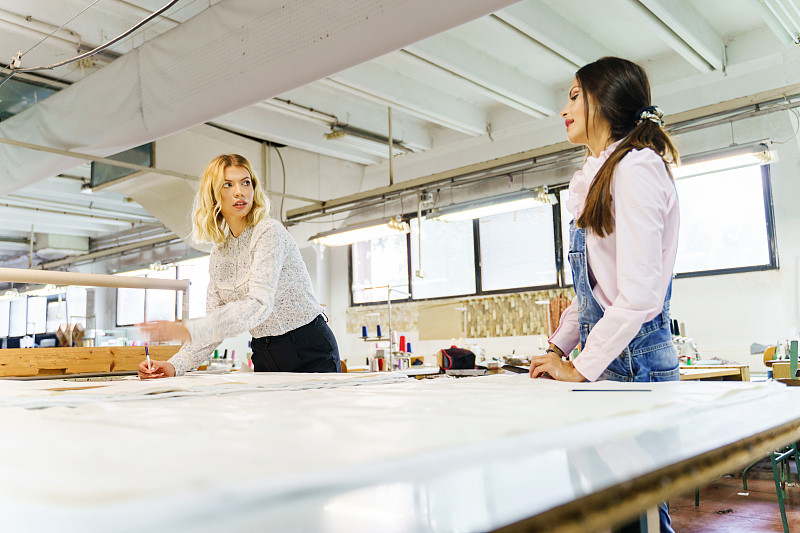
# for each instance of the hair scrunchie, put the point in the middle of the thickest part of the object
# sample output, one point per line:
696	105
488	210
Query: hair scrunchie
651	113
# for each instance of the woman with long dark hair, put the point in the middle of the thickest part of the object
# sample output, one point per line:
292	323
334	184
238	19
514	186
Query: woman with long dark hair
623	238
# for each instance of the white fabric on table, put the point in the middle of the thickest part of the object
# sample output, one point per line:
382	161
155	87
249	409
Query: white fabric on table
139	463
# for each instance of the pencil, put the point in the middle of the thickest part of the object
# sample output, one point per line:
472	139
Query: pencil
147	354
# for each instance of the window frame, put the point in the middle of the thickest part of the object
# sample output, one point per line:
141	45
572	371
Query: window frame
176	310
477	263
562	263
772	242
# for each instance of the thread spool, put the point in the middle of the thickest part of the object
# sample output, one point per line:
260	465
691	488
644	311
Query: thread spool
363	332
402	347
378	330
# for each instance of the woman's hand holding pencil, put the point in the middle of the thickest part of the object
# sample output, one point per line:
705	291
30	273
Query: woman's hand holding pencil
151	369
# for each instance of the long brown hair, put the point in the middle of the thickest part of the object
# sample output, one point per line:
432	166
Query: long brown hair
620	90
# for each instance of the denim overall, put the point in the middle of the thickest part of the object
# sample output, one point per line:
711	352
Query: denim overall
650	356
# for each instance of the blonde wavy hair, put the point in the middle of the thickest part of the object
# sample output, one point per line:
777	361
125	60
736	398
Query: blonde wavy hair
208	223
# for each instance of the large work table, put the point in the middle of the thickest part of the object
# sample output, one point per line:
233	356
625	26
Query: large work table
371	452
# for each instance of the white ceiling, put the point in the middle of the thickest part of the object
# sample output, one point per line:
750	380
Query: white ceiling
500	71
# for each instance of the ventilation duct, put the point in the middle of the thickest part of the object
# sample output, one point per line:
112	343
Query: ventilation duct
232	55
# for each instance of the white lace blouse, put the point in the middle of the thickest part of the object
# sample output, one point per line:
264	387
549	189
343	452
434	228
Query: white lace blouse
257	283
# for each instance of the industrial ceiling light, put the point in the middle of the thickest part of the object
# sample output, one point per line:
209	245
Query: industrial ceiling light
11	294
484	207
720	164
47	290
783	17
365	231
365	141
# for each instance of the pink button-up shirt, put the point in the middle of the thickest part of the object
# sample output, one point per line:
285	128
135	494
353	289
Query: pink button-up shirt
632	266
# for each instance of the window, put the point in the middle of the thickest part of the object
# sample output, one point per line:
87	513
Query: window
56	314
518	249
5	310
19	317
726	222
195	270
448	258
37	314
378	263
130	302
135	306
159	304
566	218
726	226
76	305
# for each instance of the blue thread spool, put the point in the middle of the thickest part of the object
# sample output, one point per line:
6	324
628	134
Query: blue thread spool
363	332
379	330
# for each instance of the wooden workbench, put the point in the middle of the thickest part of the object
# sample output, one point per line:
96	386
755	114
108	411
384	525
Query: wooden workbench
25	362
716	372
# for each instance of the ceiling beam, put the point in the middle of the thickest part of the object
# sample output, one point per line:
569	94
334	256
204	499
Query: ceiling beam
494	78
783	29
20	218
305	213
694	30
681	28
123	164
553	32
33	203
19	221
387	87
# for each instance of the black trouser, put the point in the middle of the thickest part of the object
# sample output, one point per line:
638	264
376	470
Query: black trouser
309	348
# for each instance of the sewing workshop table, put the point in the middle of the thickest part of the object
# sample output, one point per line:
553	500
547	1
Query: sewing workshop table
370	452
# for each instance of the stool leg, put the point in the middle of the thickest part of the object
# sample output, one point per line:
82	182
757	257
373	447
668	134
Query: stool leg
744	475
777	476
697	497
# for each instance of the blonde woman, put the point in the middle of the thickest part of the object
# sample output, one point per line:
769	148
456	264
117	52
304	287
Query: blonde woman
257	283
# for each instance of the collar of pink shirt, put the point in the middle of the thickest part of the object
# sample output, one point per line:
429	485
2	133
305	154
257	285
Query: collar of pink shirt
582	179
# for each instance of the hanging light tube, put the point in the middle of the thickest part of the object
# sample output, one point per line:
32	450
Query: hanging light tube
364	231
484	207
720	164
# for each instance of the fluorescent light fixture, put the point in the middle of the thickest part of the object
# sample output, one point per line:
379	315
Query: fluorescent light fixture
11	294
365	231
366	142
484	207
762	157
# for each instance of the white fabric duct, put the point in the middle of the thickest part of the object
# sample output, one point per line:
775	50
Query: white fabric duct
166	197
234	54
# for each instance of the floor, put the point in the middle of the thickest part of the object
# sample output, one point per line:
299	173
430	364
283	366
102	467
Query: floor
724	507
